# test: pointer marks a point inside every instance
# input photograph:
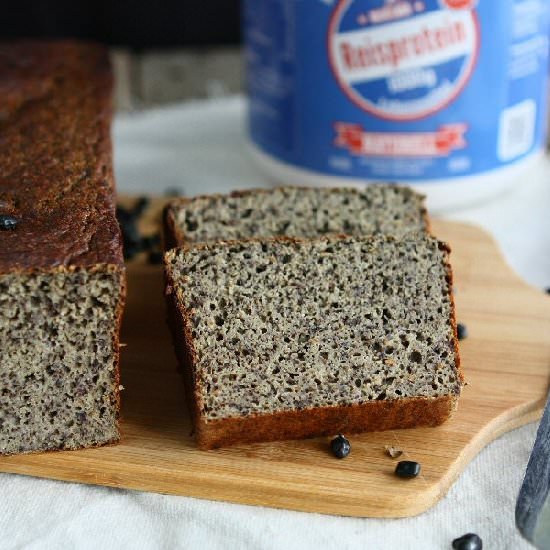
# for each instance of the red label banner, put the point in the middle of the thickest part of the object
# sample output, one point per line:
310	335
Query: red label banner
400	144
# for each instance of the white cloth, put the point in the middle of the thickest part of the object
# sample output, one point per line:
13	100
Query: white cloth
201	147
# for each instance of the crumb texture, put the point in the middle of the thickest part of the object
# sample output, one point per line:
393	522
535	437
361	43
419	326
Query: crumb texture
58	371
299	212
281	325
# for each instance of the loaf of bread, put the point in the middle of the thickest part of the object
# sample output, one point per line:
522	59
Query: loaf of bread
284	338
294	212
62	275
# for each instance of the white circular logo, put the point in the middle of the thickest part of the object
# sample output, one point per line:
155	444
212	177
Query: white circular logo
402	60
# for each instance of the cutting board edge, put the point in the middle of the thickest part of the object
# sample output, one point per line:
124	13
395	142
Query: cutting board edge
426	497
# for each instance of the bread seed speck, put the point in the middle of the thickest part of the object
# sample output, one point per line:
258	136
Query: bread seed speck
8	223
470	541
407	469
340	446
461	331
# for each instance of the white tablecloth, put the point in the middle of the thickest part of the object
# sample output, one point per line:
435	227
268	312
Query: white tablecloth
200	147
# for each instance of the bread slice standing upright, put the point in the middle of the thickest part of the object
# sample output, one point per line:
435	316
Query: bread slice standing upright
285	338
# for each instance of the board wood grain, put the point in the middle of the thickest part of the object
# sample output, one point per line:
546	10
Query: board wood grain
506	361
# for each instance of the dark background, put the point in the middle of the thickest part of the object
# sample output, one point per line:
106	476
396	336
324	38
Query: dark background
135	24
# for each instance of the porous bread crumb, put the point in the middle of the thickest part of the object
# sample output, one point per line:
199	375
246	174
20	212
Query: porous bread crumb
298	212
58	376
279	325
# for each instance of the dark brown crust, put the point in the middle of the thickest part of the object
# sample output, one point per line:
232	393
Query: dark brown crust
426	218
172	237
299	424
372	416
450	281
184	353
116	347
110	442
56	172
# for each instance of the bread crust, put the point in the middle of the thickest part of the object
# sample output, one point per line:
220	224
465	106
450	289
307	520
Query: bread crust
379	415
372	416
450	281
181	339
56	161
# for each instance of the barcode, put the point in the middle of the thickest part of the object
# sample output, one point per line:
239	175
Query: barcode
516	130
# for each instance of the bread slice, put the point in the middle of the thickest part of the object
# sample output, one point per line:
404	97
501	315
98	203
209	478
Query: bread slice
295	212
284	338
61	268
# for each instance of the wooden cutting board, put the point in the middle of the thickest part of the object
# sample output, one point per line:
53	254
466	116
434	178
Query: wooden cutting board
506	362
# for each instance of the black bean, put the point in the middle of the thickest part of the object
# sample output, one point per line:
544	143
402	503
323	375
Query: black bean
340	446
8	223
407	469
131	251
470	541
150	242
124	215
155	257
130	234
141	204
461	331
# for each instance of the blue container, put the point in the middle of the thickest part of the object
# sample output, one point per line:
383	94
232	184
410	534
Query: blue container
449	95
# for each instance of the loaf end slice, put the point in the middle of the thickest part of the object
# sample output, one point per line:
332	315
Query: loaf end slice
285	338
303	212
59	358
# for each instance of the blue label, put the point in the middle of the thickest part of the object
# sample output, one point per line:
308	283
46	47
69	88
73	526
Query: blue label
405	89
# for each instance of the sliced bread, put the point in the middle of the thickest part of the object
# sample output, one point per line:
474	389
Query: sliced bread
296	212
284	338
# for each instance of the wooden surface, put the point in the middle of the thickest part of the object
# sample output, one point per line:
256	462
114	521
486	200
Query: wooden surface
506	362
